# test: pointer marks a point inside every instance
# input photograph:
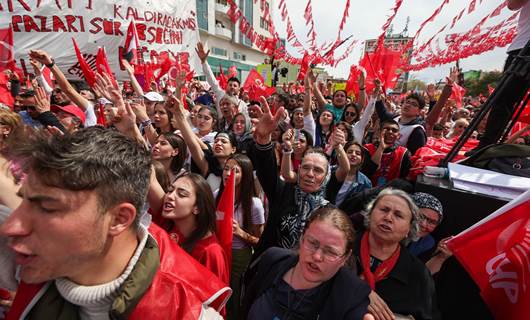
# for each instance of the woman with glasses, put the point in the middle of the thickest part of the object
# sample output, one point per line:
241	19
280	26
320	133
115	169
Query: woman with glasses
400	283
312	283
425	248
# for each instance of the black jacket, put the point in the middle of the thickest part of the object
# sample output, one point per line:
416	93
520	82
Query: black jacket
408	289
345	295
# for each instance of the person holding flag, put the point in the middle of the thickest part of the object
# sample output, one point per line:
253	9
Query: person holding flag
247	223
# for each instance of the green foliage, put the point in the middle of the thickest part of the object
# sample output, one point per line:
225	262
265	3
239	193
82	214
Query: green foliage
475	86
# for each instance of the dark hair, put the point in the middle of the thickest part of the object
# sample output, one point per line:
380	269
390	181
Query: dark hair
213	114
284	99
349	130
438	127
417	97
246	187
169	117
357	111
161	175
353	143
344	91
91	159
206	207
234	79
177	142
231	137
391	121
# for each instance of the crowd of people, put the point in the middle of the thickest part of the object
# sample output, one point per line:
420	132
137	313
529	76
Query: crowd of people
108	199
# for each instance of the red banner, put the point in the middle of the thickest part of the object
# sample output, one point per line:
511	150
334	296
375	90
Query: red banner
225	216
496	254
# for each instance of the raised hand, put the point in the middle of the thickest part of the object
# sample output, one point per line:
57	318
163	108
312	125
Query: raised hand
127	66
338	138
36	66
180	80
453	76
104	86
40	56
201	52
267	123
125	119
41	100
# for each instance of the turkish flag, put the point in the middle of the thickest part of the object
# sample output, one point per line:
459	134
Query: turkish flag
224	217
496	254
381	65
85	68
255	86
131	45
7	57
490	89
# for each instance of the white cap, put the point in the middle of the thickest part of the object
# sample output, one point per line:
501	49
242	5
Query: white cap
154	96
104	101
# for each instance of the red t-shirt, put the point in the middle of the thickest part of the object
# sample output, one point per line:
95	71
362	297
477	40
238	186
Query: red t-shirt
207	251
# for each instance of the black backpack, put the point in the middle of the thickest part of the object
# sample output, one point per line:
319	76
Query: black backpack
512	159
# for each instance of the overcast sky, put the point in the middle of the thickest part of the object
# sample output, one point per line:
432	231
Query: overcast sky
366	19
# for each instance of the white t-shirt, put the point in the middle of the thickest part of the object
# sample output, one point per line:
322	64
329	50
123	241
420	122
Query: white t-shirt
523	29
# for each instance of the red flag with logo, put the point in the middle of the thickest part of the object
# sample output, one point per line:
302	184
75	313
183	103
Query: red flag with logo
496	254
255	86
89	74
225	215
7	57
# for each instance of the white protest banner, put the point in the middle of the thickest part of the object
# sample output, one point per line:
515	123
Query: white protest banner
163	25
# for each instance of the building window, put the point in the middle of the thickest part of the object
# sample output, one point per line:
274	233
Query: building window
202	14
240	56
221	2
247	7
264	24
219	52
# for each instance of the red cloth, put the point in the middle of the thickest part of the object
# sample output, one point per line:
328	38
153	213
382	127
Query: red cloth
390	164
496	253
457	93
382	270
209	253
5	95
222	79
89	74
131	45
255	86
304	66
7	56
381	65
178	290
225	217
352	86
102	65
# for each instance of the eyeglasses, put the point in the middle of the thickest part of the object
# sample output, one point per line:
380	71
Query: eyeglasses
428	220
312	245
351	114
393	130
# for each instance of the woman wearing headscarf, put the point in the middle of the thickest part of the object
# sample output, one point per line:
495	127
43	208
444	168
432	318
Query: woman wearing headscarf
241	127
401	284
290	204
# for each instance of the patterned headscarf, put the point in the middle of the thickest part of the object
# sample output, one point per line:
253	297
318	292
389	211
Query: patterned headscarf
425	200
293	224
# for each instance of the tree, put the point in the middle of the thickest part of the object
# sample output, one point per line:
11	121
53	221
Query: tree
474	86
